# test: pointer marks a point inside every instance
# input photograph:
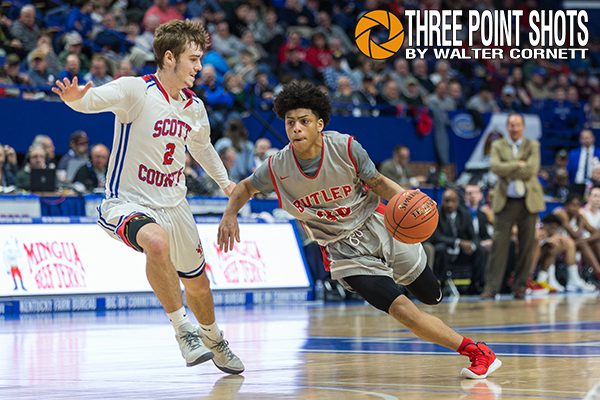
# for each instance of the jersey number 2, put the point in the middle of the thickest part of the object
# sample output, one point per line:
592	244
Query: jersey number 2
168	157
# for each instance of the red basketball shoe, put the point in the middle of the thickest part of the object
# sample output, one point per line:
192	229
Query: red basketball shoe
483	361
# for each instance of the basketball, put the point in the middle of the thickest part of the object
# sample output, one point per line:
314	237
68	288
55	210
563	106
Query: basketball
411	216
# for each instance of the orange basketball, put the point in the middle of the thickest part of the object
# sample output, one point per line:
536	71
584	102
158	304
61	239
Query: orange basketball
411	216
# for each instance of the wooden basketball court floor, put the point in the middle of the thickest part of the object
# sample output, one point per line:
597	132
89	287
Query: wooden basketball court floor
550	348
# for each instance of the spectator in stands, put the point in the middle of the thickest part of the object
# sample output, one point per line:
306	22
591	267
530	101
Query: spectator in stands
236	138
10	163
559	186
38	70
364	68
164	11
80	19
517	200
586	237
98	71
401	74
250	44
294	41
125	69
246	68
194	181
397	168
592	113
595	180
76	157
509	101
296	68
7	178
442	73
411	95
332	73
369	97
318	54
74	46
455	242
560	115
516	80
92	175
270	33
44	46
345	100
591	211
483	102
14	75
145	41
233	85
72	69
537	86
261	91
217	99
226	44
420	73
456	93
46	142
35	159
228	156
25	28
391	102
332	31
440	103
582	160
261	151
295	13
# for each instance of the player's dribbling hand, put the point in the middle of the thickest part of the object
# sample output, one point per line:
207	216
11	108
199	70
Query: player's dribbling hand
229	232
71	91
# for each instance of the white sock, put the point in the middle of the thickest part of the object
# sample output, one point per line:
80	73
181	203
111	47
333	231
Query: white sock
542	276
574	273
178	318
212	331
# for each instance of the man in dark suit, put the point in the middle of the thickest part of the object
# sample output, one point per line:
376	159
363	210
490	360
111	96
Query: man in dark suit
482	228
518	198
93	174
455	242
582	160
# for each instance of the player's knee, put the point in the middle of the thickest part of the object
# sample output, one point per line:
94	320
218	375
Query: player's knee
404	310
155	242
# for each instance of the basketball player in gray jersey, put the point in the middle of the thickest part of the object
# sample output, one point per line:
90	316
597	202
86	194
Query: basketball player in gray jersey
320	179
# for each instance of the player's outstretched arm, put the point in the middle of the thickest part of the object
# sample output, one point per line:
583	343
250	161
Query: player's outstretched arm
383	186
229	230
71	91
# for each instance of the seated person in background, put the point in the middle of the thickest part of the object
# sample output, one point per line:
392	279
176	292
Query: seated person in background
455	242
93	174
76	157
397	169
586	237
35	159
7	178
482	226
194	179
582	159
559	186
591	211
554	243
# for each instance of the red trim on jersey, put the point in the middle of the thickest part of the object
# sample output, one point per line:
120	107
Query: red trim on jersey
161	88
147	78
326	259
121	230
350	139
320	163
190	96
274	182
380	209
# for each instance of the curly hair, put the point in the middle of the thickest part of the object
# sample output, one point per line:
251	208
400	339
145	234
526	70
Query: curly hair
303	95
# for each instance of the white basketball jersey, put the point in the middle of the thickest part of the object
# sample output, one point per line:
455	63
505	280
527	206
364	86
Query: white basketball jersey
151	134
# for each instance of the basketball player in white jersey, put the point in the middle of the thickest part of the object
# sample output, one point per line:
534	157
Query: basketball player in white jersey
320	179
156	117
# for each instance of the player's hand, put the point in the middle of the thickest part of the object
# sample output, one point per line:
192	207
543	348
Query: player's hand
229	189
70	91
229	232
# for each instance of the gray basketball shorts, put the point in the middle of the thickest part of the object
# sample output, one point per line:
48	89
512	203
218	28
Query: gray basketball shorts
371	250
184	242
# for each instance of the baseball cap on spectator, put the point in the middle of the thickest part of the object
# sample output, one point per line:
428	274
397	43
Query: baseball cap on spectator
12	59
38	54
73	38
508	90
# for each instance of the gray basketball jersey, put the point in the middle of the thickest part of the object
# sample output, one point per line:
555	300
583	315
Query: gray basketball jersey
331	204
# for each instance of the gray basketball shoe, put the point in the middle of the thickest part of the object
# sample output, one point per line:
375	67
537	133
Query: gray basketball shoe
192	348
224	358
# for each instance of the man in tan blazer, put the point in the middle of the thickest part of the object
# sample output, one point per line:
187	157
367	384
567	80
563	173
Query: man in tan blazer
518	198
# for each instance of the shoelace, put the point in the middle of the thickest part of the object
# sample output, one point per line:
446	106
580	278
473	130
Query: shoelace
223	347
191	339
